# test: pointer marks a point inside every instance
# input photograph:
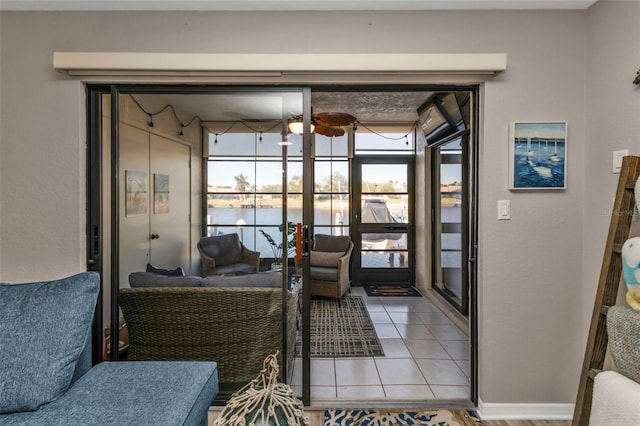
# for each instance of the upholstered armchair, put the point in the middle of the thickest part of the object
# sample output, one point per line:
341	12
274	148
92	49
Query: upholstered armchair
329	259
223	254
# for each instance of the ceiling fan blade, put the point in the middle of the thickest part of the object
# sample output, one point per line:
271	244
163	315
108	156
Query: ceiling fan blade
329	131
334	118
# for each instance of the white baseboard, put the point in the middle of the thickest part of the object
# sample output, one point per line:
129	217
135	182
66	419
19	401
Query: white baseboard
497	411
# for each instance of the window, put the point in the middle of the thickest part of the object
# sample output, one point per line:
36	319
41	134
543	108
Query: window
245	187
331	185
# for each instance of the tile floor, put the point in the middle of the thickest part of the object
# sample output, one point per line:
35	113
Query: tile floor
426	357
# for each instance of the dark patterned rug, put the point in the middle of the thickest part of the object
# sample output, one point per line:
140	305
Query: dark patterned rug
392	290
370	417
341	329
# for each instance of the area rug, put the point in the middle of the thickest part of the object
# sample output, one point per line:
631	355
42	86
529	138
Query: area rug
341	329
387	417
392	290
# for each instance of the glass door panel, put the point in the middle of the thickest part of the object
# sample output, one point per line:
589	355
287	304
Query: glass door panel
251	184
449	235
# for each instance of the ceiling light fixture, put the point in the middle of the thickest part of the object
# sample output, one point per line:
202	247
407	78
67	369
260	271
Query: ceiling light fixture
297	127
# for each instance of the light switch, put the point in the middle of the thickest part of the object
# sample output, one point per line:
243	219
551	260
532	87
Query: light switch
617	159
504	209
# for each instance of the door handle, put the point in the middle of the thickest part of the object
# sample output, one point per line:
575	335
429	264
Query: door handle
305	240
155	236
397	228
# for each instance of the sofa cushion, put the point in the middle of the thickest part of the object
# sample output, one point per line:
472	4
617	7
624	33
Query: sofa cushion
149	279
132	393
178	272
326	259
333	243
45	327
324	274
225	249
234	268
261	279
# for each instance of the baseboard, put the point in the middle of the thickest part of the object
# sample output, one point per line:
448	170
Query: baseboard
497	411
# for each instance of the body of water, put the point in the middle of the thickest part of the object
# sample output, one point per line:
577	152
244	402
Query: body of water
222	220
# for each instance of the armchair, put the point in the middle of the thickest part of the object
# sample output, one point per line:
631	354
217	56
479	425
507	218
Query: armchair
329	259
223	254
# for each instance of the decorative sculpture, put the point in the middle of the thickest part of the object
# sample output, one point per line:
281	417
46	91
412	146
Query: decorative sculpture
264	401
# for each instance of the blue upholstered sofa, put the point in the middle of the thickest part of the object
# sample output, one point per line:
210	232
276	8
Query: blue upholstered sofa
46	376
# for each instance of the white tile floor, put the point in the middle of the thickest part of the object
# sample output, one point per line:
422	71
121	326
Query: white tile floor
426	357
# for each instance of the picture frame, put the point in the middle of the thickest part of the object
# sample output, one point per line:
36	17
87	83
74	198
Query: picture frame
538	155
161	201
136	193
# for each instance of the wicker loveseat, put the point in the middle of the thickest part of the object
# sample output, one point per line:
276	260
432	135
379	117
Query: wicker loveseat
215	318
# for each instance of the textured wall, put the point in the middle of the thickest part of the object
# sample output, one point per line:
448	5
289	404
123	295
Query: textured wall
613	123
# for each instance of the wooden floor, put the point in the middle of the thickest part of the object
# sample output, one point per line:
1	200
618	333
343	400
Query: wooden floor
526	422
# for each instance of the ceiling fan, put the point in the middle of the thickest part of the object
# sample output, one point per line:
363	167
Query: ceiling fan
324	123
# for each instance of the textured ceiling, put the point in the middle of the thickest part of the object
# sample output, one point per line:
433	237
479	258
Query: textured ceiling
367	107
371	106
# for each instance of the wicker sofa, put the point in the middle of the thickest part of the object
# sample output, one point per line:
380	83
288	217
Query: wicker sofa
235	321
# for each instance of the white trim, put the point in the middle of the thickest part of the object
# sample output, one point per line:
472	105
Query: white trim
288	5
274	65
498	411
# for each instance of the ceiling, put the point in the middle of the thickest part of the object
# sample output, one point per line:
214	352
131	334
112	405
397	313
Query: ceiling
307	5
367	107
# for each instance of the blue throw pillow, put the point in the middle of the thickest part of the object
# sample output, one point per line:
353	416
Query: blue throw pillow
178	272
44	327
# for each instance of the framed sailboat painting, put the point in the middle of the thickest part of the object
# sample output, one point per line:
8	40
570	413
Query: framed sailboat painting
538	155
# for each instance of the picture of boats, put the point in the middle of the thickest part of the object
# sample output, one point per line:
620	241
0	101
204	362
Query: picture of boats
538	155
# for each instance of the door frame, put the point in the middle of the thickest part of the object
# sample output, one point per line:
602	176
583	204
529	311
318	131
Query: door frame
380	275
95	227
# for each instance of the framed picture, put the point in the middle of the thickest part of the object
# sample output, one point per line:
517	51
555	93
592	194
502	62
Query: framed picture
160	193
135	202
538	155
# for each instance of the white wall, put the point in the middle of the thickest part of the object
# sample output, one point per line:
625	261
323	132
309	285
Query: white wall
531	291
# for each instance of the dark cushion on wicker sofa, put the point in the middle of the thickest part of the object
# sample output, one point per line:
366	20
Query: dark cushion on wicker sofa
132	393
149	279
45	328
262	279
178	272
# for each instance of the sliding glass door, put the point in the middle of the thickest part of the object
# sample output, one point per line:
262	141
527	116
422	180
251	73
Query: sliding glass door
172	166
450	222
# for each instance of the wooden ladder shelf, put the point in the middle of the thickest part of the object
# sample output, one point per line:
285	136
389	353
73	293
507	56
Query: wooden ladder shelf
606	295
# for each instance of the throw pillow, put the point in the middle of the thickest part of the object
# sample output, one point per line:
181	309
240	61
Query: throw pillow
178	272
631	270
334	243
45	326
325	259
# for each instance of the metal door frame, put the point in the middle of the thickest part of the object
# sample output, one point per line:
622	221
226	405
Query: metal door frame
381	275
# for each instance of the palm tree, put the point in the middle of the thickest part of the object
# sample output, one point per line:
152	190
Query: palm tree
242	184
